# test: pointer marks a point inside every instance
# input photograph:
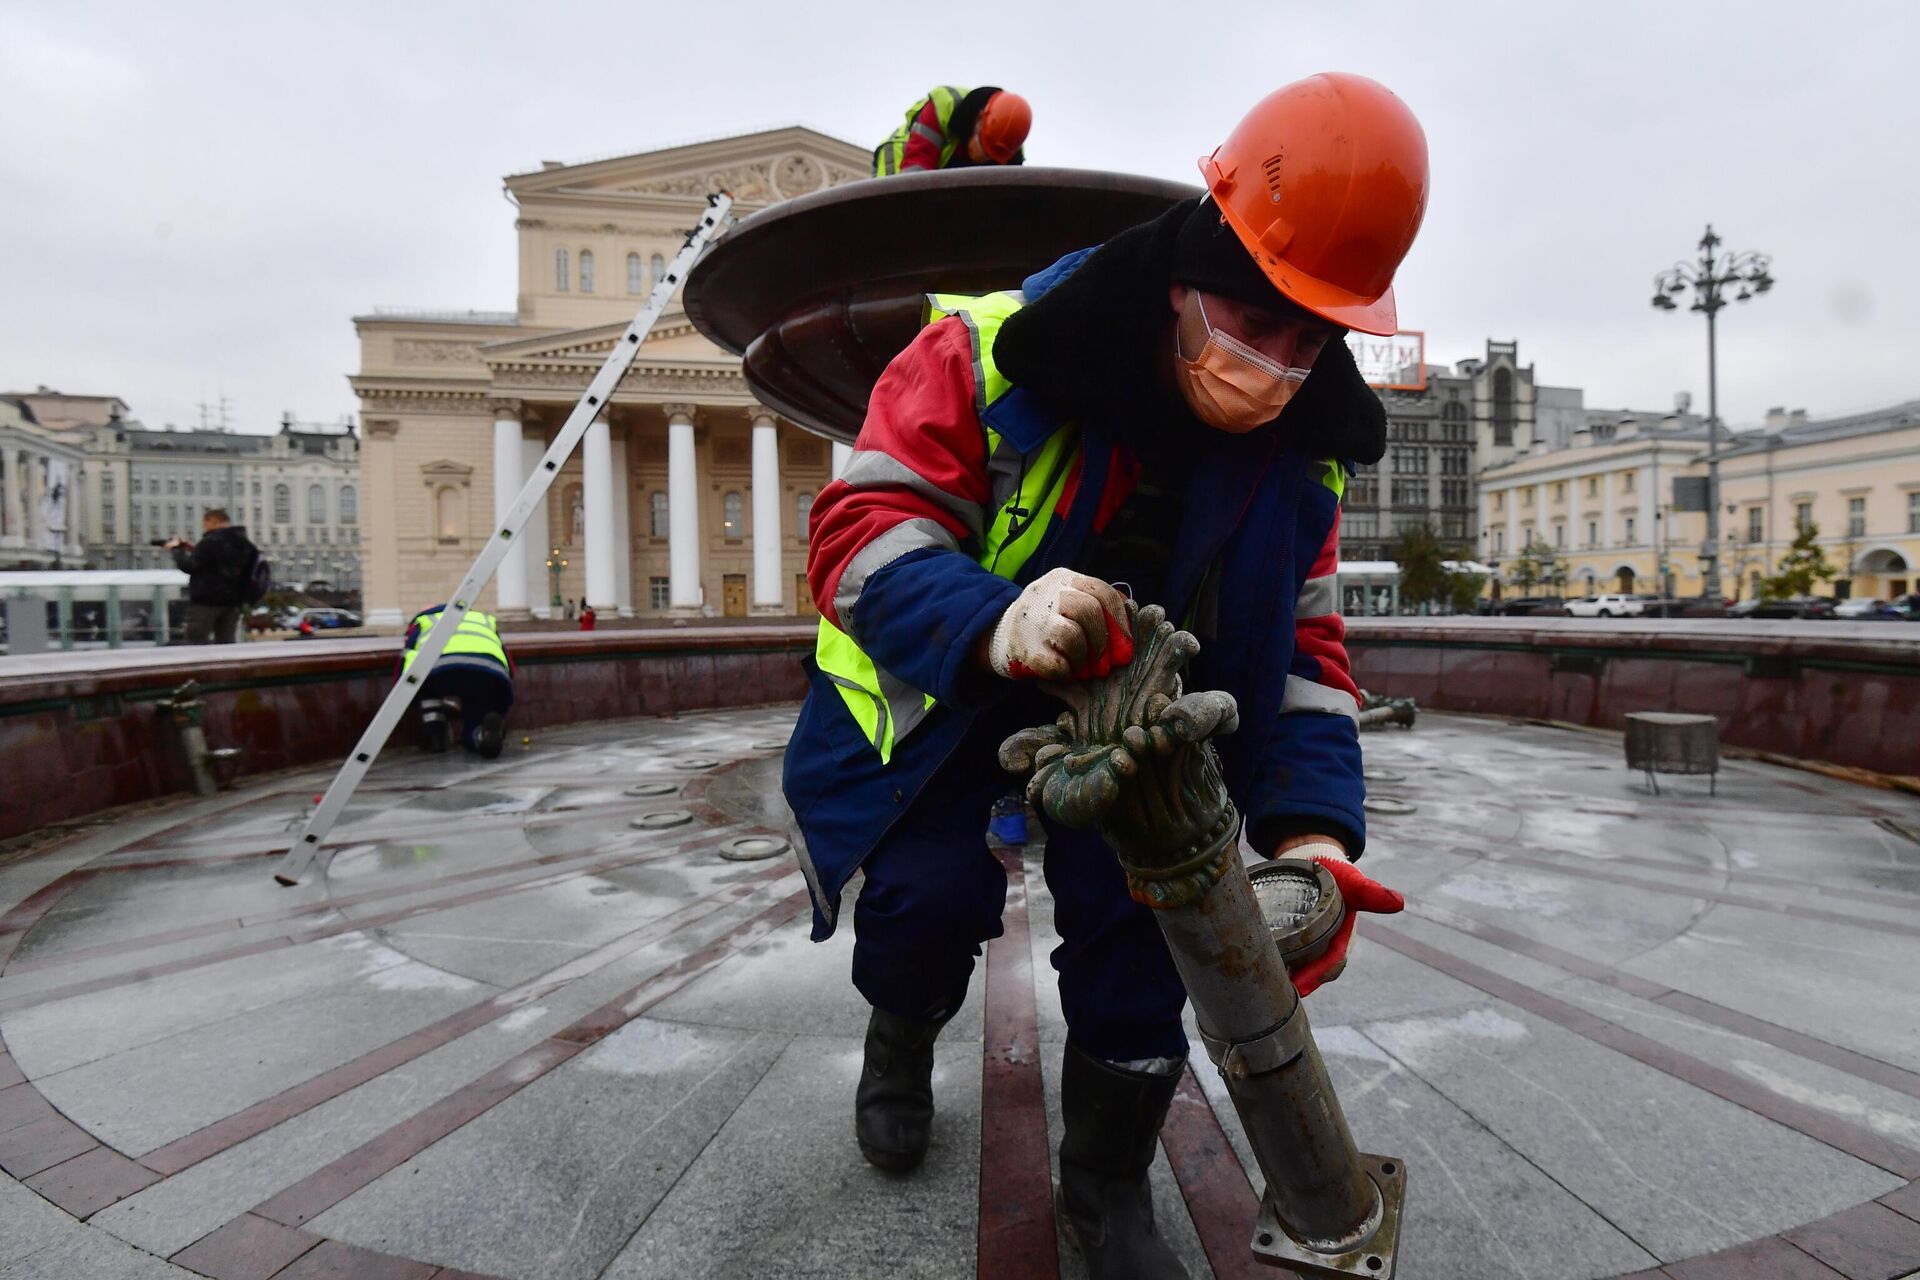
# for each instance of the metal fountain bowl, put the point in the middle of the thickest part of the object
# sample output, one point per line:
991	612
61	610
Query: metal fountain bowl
818	293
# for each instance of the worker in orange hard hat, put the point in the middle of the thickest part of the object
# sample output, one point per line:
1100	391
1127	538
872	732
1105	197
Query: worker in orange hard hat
1176	410
952	128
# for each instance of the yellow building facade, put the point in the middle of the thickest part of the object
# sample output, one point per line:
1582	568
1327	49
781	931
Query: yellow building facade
1605	506
687	496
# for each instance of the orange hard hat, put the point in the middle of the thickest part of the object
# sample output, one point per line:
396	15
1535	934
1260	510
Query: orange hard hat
1325	183
1002	127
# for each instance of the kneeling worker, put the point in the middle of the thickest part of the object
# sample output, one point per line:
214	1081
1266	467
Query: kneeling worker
954	128
473	679
1175	409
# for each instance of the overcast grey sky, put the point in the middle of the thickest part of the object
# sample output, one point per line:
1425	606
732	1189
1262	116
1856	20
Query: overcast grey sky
195	197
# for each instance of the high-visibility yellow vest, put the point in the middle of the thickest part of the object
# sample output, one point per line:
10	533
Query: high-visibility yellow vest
885	707
476	634
888	155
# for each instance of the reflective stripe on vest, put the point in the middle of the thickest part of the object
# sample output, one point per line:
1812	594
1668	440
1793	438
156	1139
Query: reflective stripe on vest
886	708
476	634
888	155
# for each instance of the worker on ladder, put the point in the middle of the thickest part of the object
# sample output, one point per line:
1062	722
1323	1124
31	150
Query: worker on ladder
953	128
1176	409
473	680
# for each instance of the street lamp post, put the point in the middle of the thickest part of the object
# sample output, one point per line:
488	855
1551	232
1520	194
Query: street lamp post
555	567
1709	278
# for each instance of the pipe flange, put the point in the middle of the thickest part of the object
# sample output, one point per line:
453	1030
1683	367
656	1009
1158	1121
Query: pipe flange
1373	1256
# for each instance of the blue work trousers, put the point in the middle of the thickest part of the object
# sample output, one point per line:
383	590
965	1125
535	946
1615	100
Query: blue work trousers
934	892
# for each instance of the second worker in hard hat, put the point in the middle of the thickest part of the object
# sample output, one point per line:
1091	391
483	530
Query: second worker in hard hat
1176	410
953	128
471	684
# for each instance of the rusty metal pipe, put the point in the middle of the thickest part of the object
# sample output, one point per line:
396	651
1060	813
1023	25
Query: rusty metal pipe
1131	757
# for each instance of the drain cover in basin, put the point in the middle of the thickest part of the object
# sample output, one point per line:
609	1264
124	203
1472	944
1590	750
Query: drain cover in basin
662	818
753	848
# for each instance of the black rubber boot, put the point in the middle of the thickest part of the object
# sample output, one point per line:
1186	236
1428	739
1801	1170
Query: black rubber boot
893	1108
490	736
436	731
1113	1120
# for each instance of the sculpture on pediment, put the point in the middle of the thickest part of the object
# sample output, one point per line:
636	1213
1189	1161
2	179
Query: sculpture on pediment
797	174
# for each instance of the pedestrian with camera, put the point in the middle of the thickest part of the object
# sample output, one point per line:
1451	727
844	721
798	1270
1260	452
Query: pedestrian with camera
225	573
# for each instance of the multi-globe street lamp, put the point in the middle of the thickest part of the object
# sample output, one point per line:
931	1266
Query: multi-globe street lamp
556	565
1710	277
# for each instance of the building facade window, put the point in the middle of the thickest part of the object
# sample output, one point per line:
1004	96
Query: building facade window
1500	500
657	525
1802	516
659	593
802	513
1626	482
562	277
173	484
1593	533
1559	534
1503	416
316	504
1559	491
1363	487
1453	525
282	504
1630	537
1359	525
1409	493
657	268
1408	460
586	271
1593	486
1756	519
1856	517
1913	512
733	520
349	504
636	277
1453	493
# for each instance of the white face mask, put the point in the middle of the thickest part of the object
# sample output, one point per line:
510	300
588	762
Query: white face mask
1231	386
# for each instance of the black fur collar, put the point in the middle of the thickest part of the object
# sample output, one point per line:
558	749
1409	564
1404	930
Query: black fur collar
1091	344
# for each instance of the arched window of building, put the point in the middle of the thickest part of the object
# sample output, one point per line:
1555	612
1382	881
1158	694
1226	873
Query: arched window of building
1503	406
447	521
636	281
586	271
802	512
560	274
316	504
349	504
283	504
733	520
657	525
658	267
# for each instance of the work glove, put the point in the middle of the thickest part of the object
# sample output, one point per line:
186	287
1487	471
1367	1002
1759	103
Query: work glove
1360	892
1064	626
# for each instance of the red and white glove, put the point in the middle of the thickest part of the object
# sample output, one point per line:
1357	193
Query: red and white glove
1064	626
1360	892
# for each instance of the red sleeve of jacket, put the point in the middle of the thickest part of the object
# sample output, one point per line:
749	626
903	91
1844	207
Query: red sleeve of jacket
921	458
1322	639
922	150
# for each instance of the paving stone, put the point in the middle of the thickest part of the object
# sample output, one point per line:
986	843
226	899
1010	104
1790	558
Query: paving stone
29	1224
1767	1259
570	1165
91	1181
783	1191
248	1248
1867	1242
1680	1171
332	1260
41	1145
91	1255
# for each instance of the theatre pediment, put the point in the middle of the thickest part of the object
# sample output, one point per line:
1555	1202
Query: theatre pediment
759	169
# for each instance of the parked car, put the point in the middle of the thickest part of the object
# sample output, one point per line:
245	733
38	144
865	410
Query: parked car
1794	607
322	619
1526	606
1908	607
1607	606
1862	608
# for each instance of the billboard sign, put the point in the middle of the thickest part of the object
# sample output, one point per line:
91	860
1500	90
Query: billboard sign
1398	363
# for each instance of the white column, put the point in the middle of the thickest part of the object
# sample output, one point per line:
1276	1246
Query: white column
842	454
768	597
1514	545
622	529
508	476
1610	536
597	494
539	532
1649	504
683	512
1542	530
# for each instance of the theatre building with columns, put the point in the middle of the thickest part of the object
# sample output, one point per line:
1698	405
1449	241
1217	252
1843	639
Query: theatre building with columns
687	498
